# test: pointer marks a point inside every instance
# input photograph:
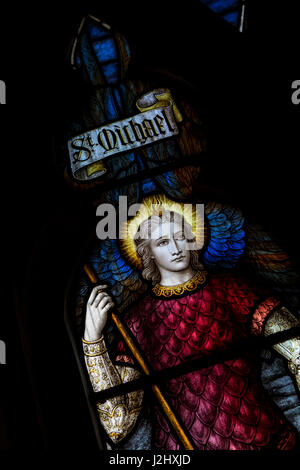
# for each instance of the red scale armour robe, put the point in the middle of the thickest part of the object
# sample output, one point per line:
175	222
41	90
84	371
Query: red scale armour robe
223	407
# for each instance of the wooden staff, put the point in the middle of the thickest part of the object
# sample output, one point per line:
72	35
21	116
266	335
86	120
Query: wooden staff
161	399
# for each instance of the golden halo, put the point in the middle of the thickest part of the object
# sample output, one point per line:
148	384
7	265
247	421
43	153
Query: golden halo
154	205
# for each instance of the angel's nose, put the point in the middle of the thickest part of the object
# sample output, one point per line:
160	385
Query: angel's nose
174	247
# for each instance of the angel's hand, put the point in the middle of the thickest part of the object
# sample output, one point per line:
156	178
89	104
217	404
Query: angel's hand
97	308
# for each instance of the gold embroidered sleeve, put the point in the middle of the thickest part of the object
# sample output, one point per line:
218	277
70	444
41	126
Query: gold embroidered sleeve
282	320
118	414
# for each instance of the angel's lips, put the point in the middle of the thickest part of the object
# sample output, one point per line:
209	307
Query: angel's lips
180	258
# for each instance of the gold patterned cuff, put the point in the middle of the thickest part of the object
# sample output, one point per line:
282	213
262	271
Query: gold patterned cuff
94	348
294	363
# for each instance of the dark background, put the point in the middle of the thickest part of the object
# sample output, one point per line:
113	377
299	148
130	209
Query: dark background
252	127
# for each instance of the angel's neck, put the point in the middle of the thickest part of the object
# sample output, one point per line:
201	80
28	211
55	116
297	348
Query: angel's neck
175	278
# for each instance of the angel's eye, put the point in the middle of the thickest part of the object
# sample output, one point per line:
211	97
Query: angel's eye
163	242
180	236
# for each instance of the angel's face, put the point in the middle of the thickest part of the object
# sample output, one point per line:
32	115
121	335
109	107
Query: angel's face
169	247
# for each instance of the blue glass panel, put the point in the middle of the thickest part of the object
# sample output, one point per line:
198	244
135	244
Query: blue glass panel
110	72
123	91
232	18
77	60
105	50
88	59
141	163
220	5
118	98
113	103
110	107
97	31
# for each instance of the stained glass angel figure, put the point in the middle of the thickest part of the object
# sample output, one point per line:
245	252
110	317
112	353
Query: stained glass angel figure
178	305
190	313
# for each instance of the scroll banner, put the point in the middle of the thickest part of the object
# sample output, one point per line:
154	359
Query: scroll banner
157	120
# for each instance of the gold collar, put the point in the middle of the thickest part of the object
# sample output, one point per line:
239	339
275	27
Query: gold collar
189	286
